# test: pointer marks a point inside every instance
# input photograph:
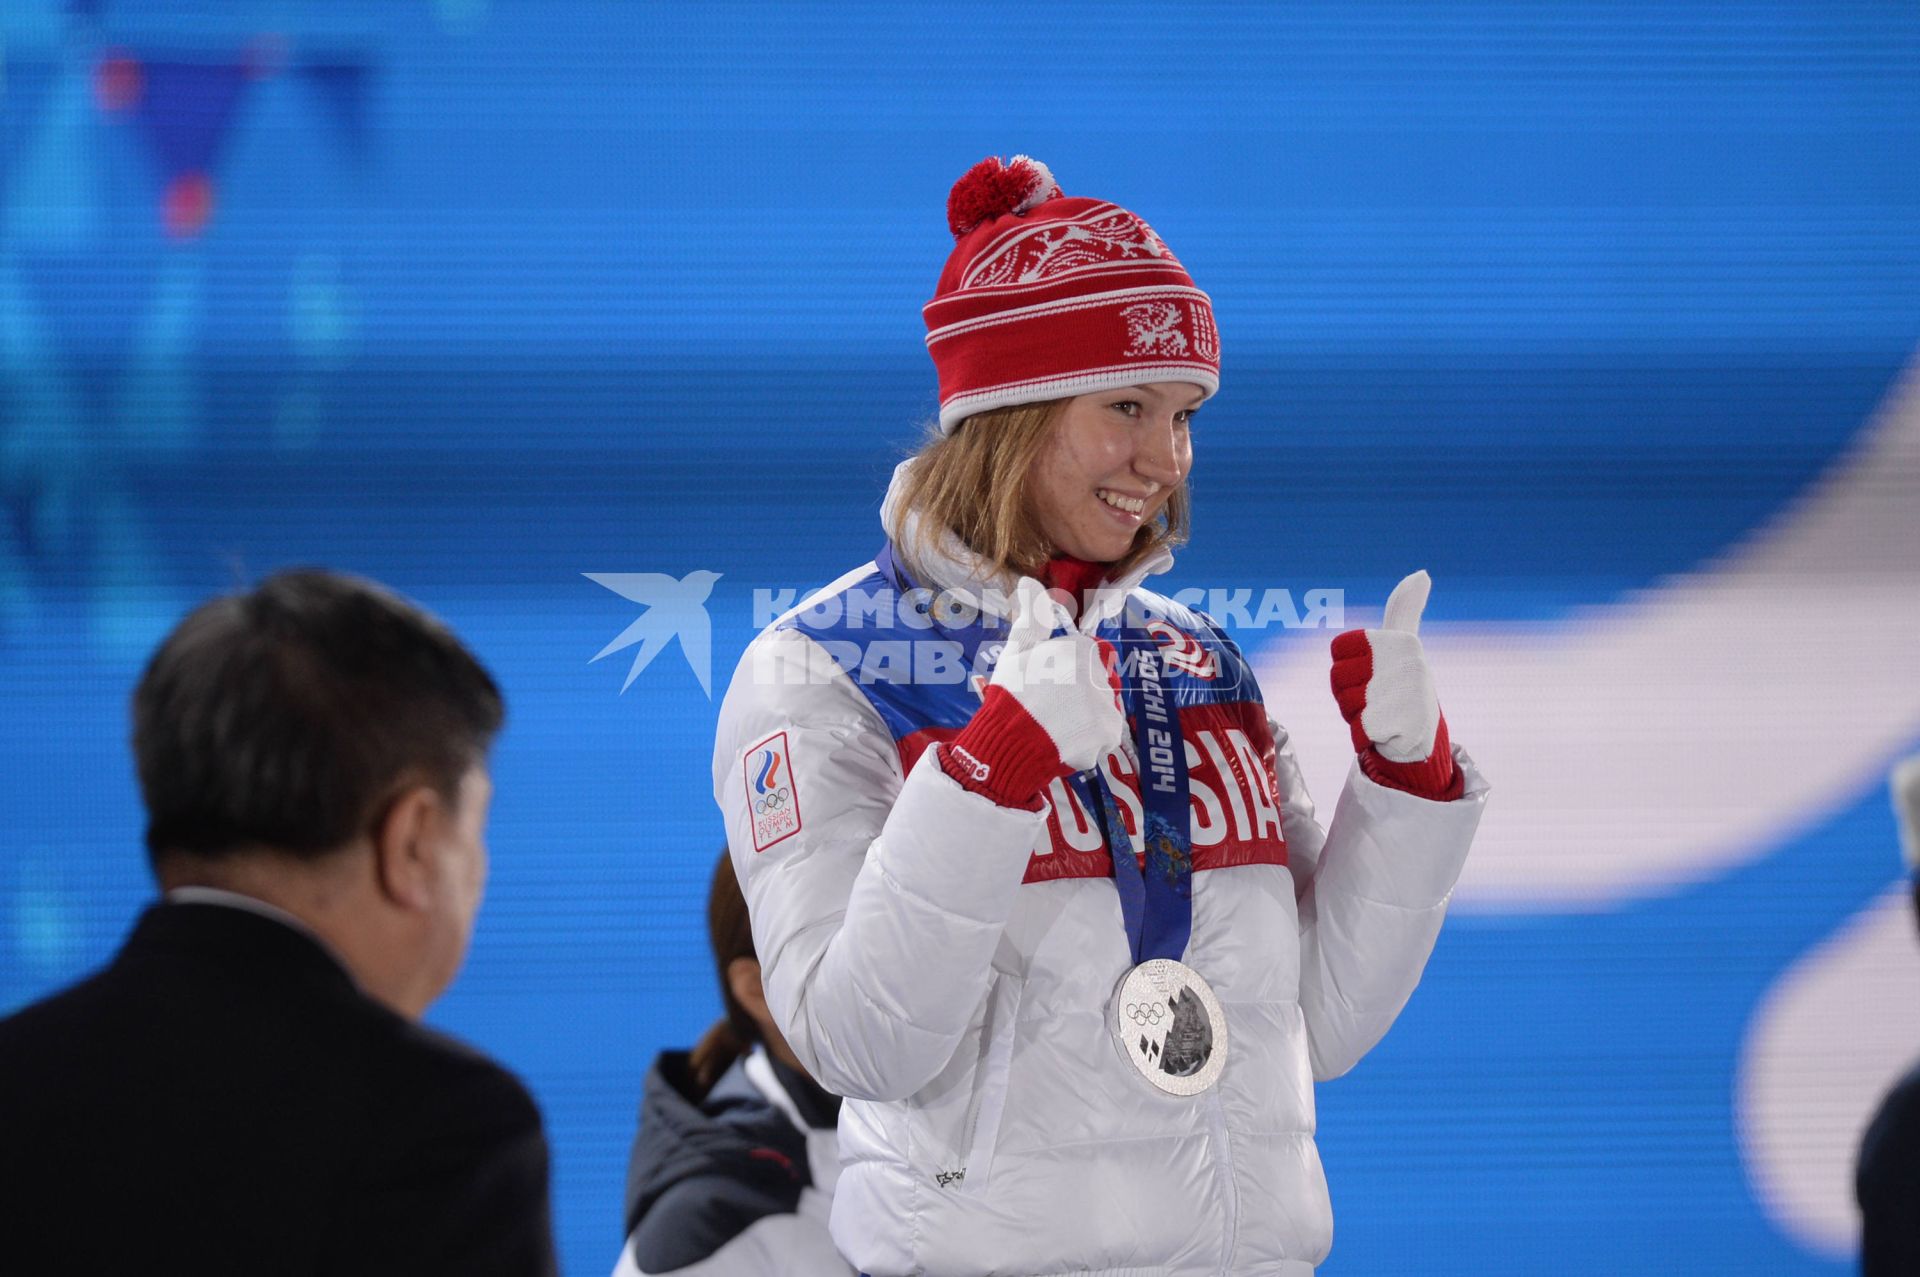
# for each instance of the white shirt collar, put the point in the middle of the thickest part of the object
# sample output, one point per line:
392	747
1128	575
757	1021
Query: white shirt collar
759	1069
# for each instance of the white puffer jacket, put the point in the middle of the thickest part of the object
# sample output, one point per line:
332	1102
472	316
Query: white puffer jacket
928	958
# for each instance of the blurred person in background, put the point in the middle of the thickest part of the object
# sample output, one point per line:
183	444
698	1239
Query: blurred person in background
1075	974
247	1087
733	1170
1888	1180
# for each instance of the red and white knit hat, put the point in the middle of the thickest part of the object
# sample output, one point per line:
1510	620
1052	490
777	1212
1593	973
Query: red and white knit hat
1046	297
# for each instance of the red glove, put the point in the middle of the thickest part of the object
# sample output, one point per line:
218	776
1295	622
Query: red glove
1053	708
1385	690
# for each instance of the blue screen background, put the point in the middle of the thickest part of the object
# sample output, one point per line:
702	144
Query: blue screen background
478	296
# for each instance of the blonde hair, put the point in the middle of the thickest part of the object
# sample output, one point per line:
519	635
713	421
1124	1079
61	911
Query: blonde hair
977	482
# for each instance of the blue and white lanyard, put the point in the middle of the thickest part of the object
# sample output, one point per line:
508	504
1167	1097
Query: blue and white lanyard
1156	900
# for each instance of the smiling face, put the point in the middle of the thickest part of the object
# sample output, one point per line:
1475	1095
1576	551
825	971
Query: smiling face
1110	465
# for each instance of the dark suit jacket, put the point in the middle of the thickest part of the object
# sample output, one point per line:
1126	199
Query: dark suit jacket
223	1099
1887	1184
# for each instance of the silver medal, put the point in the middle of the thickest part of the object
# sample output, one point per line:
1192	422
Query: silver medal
1170	1026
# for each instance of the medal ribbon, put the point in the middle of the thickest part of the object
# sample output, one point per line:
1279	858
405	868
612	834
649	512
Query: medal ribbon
1156	900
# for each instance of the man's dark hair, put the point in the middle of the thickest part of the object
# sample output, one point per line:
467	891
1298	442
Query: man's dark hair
289	716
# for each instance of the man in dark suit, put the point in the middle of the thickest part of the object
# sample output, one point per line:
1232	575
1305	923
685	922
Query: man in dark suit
247	1088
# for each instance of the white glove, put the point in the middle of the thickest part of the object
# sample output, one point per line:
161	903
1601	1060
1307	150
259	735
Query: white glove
1064	683
1383	682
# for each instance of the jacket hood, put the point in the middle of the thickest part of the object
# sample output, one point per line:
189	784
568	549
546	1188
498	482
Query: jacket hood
731	1134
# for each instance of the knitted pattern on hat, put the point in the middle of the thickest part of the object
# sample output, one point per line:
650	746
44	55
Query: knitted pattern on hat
1047	296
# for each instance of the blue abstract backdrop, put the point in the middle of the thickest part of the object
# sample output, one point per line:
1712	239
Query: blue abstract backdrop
1597	311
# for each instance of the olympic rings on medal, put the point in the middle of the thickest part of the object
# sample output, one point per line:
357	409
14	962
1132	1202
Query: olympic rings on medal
1145	1014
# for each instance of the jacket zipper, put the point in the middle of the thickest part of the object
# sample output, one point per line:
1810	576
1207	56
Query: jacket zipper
1217	1122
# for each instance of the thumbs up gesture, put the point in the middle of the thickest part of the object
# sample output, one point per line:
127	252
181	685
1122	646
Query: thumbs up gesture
1064	683
1384	687
1053	705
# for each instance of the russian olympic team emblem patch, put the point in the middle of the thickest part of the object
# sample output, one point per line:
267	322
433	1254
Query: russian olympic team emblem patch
772	799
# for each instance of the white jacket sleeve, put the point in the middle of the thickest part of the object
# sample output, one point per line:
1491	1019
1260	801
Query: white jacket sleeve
876	921
1372	891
